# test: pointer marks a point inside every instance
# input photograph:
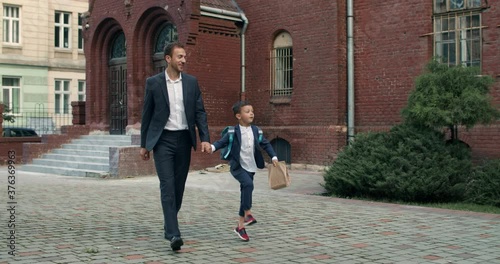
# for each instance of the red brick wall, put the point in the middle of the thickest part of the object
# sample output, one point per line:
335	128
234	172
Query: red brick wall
318	102
485	141
390	51
15	145
215	60
392	48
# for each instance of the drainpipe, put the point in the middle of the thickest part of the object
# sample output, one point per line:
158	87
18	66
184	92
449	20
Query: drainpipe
234	16
243	59
350	71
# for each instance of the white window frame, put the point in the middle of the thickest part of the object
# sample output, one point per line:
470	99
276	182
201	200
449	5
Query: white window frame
282	66
457	32
461	41
62	29
62	96
11	25
81	90
10	90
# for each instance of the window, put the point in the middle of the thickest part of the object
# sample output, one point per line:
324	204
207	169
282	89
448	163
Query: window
119	47
457	32
11	94
62	33
11	24
168	34
81	90
62	94
80	31
282	66
441	6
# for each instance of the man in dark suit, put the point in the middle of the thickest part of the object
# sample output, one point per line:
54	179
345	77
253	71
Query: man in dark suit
173	106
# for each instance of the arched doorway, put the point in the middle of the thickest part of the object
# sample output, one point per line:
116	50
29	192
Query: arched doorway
118	85
166	35
283	149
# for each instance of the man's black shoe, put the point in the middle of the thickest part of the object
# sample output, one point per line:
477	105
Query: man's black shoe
176	243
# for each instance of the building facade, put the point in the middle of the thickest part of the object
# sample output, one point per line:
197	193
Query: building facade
292	60
42	64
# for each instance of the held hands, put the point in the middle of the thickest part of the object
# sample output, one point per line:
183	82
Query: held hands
275	162
144	154
206	147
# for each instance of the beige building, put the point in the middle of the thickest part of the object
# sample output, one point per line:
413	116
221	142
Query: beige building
42	64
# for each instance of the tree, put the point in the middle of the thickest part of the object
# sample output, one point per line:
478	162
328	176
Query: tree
450	97
6	116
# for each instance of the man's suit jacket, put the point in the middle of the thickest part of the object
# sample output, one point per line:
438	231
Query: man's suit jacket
234	155
156	110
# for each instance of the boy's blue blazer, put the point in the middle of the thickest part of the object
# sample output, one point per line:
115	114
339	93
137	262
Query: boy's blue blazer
234	155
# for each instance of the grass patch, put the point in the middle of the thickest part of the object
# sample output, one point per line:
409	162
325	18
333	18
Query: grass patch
468	207
464	207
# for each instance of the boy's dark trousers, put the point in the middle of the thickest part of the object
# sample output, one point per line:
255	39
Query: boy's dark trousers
172	156
246	188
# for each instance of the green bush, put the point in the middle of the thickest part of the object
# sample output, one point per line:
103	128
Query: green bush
484	184
413	164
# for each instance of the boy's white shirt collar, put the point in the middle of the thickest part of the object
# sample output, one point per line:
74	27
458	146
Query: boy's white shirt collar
244	127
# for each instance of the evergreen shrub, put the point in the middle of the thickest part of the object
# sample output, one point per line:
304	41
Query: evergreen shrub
410	163
484	184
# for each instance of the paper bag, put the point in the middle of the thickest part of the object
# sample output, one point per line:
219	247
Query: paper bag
278	176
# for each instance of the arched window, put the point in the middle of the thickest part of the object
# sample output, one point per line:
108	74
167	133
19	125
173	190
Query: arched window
119	47
282	66
168	34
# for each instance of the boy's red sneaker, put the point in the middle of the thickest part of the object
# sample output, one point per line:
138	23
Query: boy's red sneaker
249	220
242	234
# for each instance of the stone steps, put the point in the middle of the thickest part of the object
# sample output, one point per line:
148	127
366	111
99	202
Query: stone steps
87	156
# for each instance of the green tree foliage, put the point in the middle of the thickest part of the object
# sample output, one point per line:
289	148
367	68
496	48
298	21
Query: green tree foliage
449	97
408	164
6	116
484	184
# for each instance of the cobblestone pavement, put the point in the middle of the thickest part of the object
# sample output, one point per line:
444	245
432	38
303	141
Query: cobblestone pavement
85	220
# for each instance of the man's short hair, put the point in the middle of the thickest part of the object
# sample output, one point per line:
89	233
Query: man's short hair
238	105
168	49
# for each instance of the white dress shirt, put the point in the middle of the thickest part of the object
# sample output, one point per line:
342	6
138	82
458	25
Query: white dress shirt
177	119
247	159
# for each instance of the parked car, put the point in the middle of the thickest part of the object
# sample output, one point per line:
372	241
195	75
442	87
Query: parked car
18	132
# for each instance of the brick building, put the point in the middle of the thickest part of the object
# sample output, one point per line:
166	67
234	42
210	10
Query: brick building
294	67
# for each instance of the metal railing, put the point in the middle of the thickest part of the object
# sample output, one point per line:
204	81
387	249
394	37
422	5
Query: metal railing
41	119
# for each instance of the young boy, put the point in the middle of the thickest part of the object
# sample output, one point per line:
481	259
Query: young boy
244	158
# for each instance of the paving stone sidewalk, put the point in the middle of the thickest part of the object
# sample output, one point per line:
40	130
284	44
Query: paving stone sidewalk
85	220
